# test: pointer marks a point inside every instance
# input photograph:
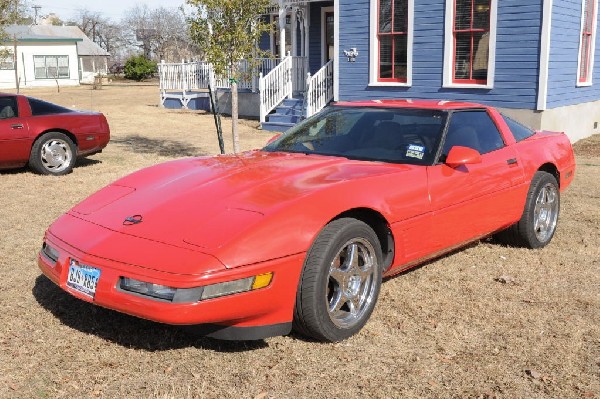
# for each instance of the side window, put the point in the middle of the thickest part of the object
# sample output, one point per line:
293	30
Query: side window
474	129
519	132
39	107
8	107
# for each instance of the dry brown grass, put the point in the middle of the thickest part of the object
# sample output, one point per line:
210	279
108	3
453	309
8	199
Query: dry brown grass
445	330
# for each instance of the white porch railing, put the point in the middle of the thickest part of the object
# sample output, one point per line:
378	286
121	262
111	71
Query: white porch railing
319	89
275	86
184	76
198	75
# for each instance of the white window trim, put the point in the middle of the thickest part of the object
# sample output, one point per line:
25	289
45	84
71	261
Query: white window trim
588	82
336	50
374	47
542	98
449	49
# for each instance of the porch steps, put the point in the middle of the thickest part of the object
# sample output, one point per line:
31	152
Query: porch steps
286	115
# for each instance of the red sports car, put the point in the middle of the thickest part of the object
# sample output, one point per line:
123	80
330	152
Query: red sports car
46	136
300	233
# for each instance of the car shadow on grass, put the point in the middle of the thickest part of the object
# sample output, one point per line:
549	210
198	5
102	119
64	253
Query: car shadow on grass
163	147
125	330
15	171
85	162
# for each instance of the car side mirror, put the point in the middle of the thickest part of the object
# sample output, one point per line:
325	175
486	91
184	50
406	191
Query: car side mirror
272	139
459	155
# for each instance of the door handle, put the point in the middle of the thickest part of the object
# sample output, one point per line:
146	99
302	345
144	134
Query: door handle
17	126
512	161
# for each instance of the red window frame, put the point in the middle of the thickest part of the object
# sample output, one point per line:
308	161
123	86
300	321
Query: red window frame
472	31
587	31
392	34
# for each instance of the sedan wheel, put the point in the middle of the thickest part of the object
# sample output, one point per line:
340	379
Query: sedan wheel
53	154
540	216
340	281
351	283
545	214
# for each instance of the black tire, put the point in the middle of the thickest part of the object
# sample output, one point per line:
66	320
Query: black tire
538	223
330	277
53	153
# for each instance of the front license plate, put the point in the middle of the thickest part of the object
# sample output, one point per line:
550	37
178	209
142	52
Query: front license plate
83	278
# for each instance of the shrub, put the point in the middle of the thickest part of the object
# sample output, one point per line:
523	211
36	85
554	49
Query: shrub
139	68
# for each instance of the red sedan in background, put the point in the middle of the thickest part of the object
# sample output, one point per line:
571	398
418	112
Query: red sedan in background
46	136
300	233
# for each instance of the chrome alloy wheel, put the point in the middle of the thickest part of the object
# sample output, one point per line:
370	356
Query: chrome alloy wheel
352	283
545	214
56	155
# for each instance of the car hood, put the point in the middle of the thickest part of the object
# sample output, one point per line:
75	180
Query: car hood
208	202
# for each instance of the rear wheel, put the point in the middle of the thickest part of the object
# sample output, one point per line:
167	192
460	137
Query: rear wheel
53	153
540	217
340	281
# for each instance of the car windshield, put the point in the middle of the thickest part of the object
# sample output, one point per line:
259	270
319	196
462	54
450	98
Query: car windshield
398	135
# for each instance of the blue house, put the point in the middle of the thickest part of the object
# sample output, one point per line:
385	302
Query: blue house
532	59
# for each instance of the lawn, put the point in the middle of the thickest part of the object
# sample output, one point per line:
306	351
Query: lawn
485	322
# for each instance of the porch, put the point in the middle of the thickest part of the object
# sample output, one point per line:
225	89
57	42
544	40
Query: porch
280	91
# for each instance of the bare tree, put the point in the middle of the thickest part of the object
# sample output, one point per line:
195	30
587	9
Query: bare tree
161	33
90	23
101	30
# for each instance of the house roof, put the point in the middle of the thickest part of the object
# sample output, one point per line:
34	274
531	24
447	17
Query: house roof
51	33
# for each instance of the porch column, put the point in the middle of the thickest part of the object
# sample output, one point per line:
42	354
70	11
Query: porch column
306	35
301	16
281	29
302	39
294	31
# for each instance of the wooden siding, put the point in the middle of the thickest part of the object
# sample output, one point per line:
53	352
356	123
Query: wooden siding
517	55
564	53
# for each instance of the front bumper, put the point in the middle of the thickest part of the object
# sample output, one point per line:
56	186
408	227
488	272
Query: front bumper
248	315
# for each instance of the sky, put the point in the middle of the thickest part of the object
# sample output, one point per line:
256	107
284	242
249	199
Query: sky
113	9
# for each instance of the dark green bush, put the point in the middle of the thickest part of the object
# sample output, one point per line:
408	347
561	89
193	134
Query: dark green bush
139	68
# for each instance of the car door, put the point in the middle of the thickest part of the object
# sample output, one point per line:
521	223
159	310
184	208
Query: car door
14	134
469	201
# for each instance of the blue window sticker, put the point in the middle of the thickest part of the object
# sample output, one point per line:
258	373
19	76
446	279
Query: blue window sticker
415	151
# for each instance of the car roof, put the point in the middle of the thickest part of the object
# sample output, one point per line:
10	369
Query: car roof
410	103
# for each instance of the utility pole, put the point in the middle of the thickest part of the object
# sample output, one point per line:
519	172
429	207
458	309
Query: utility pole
35	8
16	63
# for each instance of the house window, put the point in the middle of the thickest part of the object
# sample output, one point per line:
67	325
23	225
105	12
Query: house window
7	63
392	35
470	43
471	40
586	46
391	42
51	66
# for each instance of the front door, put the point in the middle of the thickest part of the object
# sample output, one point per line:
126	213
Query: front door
473	200
328	25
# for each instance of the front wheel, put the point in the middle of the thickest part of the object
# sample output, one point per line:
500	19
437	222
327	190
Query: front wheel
540	217
340	281
53	153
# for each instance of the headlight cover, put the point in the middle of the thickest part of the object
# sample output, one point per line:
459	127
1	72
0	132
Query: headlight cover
160	292
183	295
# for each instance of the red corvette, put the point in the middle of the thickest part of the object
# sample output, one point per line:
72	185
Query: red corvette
300	233
46	136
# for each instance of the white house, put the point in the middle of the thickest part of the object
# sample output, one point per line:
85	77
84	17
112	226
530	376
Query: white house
45	55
